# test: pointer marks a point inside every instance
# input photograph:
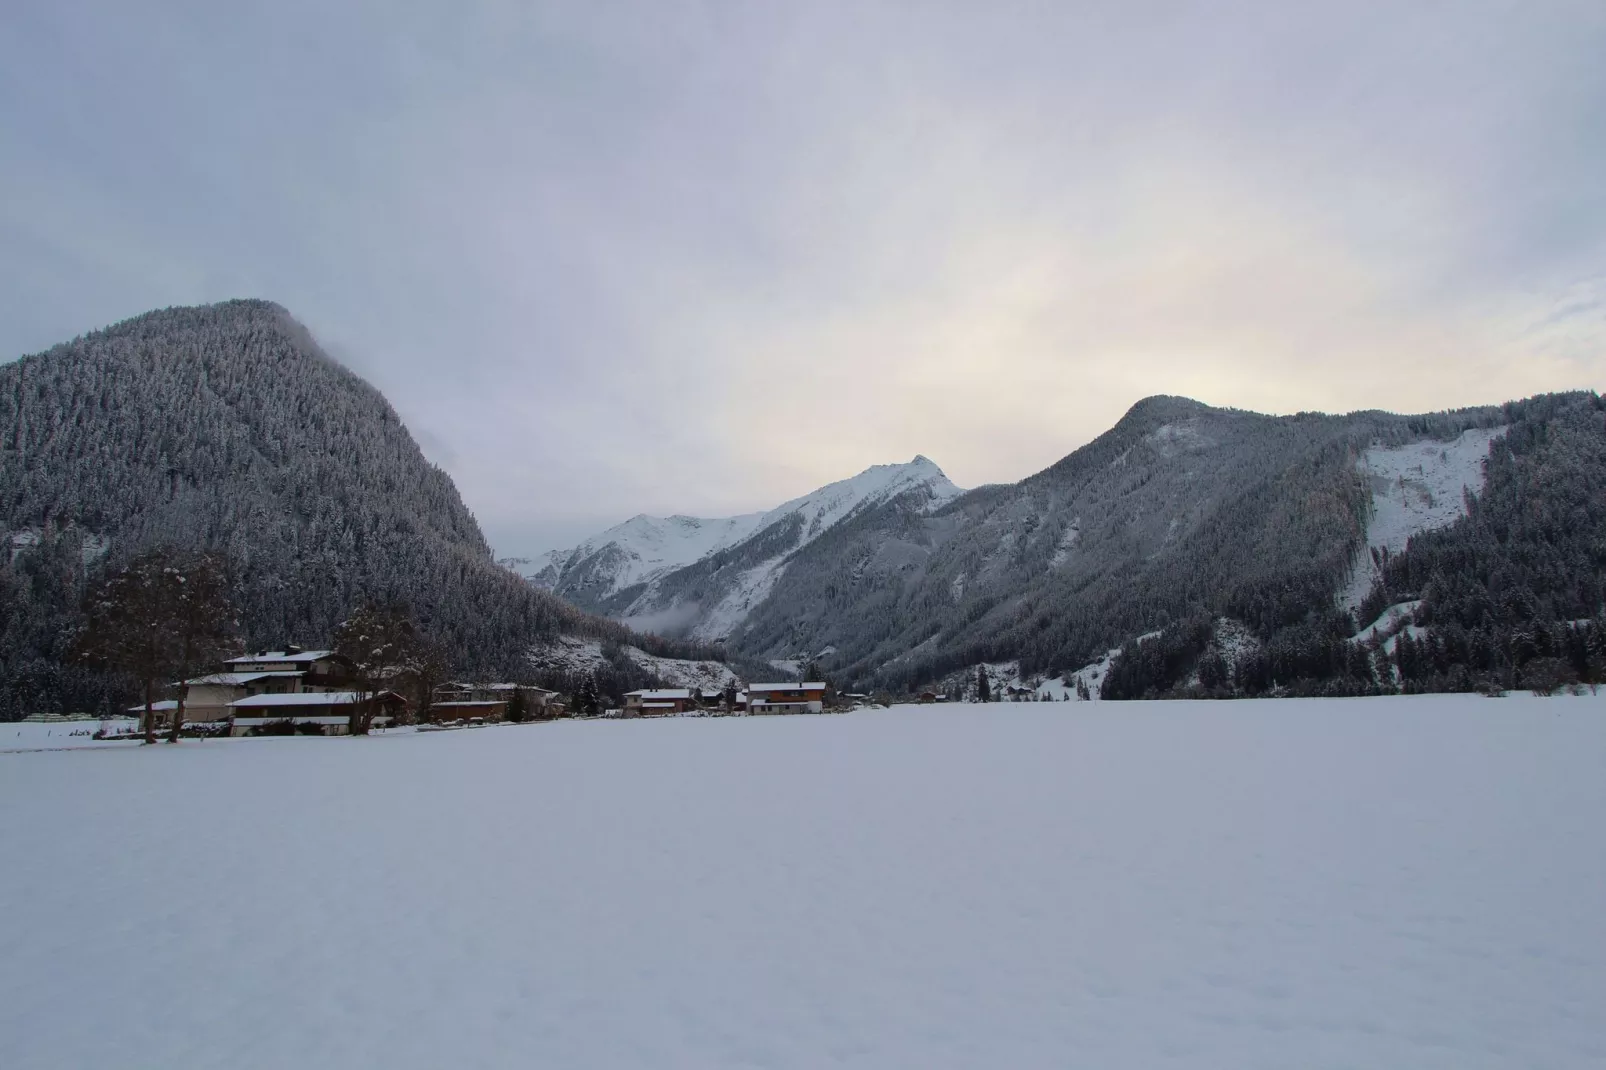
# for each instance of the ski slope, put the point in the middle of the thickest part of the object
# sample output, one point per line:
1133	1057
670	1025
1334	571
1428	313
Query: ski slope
1408	882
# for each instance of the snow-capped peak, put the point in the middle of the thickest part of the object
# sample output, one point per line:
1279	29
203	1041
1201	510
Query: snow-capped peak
835	502
644	548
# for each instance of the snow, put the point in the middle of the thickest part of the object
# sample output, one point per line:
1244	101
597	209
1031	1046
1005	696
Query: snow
1409	882
572	654
1092	674
835	502
61	735
308	656
1388	622
1062	549
300	698
1416	488
651	546
239	679
1168	440
645	549
751	588
713	675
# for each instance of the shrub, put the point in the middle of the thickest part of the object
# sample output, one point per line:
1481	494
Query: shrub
1546	676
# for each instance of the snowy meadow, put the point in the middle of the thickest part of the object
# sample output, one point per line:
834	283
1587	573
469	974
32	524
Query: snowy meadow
1405	882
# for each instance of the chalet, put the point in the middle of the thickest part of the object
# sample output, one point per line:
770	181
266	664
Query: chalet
660	703
490	700
457	709
329	711
786	698
272	672
317	668
161	712
207	698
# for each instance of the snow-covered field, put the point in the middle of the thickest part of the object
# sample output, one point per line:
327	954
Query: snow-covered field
60	735
1411	882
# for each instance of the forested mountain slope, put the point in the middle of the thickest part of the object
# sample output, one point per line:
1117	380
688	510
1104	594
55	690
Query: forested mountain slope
225	427
1180	511
1507	594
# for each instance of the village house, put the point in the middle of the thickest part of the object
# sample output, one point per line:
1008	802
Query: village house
786	698
329	711
161	712
207	698
275	672
660	703
318	669
490	701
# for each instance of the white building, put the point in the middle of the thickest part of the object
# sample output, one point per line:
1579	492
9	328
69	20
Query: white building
330	711
786	698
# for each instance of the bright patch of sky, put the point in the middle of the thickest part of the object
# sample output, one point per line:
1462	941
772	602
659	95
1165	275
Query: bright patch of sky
701	258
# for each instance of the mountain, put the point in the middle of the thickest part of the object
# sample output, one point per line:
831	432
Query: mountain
225	427
689	576
639	550
1188	549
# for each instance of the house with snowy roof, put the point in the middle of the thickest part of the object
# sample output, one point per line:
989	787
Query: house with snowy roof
808	697
662	702
325	712
273	672
491	701
313	665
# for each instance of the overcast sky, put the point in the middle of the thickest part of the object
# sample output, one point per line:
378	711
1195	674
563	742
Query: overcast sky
700	258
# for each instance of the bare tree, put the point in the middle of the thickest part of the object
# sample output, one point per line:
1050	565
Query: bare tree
382	643
158	616
204	620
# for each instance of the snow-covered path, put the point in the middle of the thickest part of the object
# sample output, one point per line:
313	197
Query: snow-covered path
1370	883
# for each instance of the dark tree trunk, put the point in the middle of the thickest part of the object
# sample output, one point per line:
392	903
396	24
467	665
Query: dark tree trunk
178	719
150	714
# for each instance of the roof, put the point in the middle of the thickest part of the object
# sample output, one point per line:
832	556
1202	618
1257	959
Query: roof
454	705
304	698
165	704
669	694
237	679
303	718
305	656
785	687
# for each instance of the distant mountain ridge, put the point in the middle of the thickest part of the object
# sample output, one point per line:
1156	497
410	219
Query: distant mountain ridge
653	572
1257	537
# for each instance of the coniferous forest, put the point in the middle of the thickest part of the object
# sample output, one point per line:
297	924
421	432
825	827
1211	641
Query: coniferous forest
226	428
1509	596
